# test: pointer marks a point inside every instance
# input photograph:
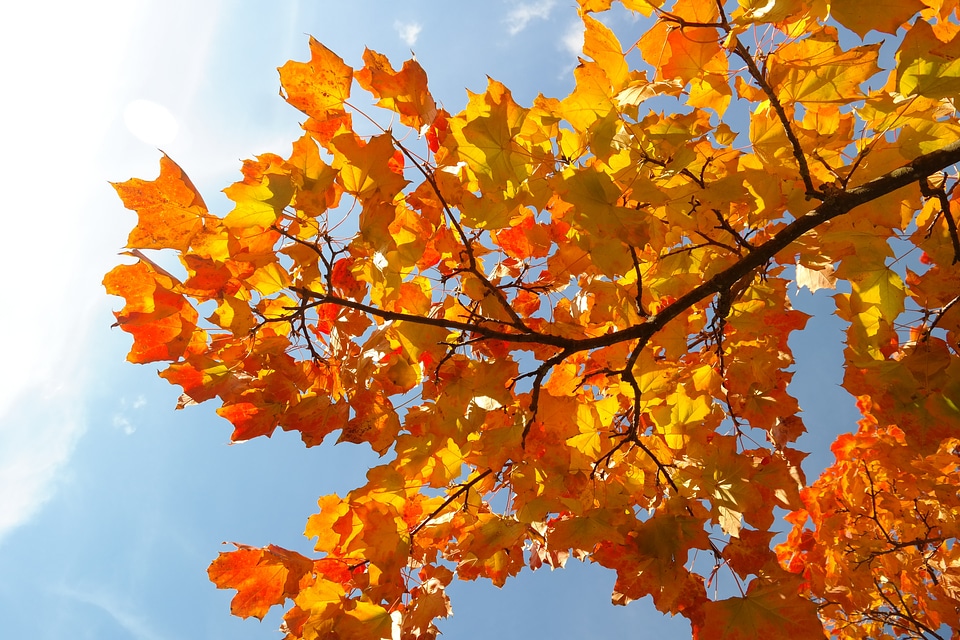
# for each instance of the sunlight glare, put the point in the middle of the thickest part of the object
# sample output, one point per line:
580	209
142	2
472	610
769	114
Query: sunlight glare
150	122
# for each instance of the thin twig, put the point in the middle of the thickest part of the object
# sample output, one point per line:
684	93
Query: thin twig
463	489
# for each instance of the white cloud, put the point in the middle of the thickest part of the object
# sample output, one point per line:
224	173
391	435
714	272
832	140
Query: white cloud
121	422
408	31
518	17
38	433
572	39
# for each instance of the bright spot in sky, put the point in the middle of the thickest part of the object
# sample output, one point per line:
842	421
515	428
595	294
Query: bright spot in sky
151	122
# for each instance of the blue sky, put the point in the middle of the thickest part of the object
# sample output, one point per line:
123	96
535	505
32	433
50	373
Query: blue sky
111	504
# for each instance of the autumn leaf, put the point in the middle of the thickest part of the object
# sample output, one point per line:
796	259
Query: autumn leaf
765	610
885	16
319	88
170	210
816	69
161	320
404	92
816	279
926	65
262	577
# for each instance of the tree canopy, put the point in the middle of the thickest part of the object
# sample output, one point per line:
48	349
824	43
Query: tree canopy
565	326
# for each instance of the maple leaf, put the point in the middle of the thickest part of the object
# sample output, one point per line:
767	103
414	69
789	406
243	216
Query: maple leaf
926	65
319	88
170	209
262	577
816	279
885	16
161	320
838	74
765	610
404	92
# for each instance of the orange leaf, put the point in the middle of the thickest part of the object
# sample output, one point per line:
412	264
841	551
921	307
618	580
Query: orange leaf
262	577
882	15
768	610
161	320
170	209
404	92
320	87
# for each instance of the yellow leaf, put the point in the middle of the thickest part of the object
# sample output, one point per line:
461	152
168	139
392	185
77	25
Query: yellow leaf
260	197
368	171
881	288
766	11
768	610
816	279
600	43
926	66
595	197
486	138
365	621
269	279
817	69
589	102
673	419
881	15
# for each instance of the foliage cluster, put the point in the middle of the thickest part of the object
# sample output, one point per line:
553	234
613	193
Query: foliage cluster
577	311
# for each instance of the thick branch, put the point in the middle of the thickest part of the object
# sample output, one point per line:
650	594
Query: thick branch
836	204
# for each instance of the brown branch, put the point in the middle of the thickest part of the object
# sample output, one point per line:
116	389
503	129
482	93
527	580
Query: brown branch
942	311
538	376
741	51
905	612
927	191
759	77
636	270
725	225
463	489
836	203
443	323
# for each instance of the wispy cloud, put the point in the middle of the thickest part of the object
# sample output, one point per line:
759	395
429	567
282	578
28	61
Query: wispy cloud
520	16
572	39
408	31
122	420
38	433
122	613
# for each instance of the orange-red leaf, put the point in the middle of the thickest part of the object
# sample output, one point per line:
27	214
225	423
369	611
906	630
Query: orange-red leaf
262	577
161	320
